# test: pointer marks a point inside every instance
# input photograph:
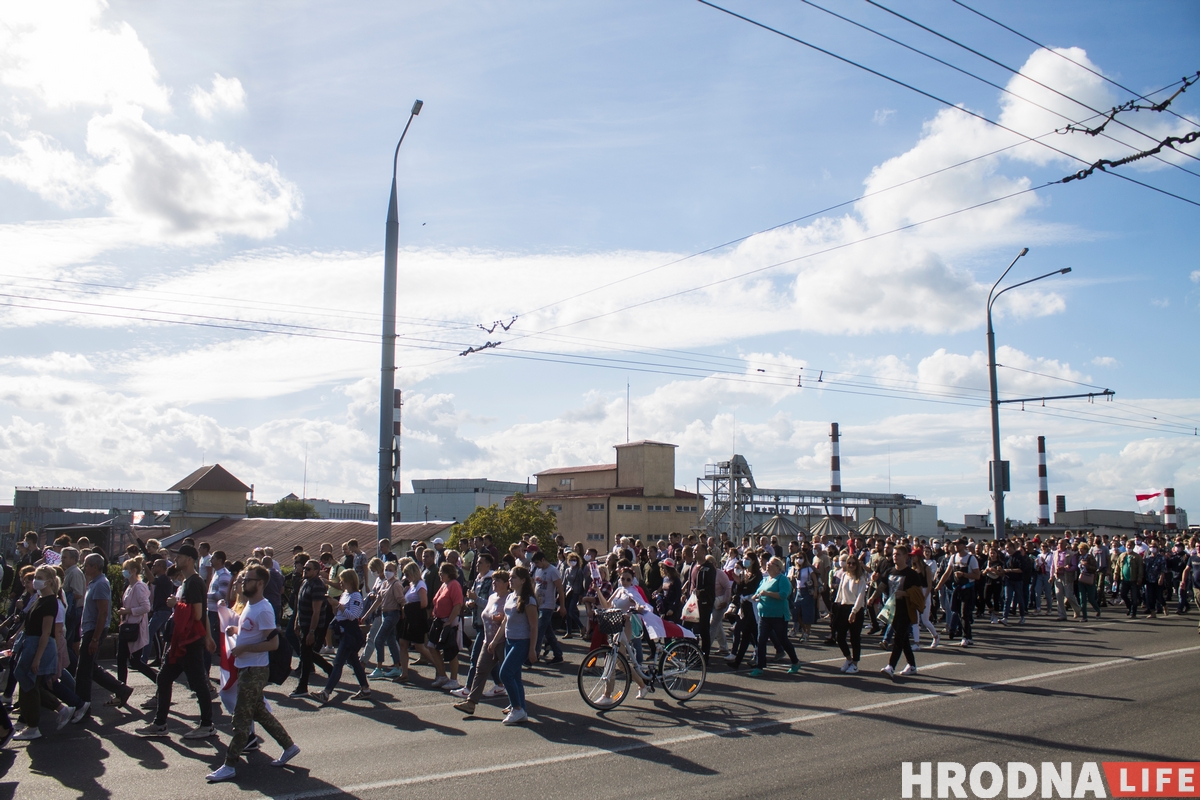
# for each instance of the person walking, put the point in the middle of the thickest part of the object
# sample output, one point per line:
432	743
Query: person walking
905	586
190	639
312	621
416	622
848	608
390	599
38	660
135	610
962	574
1063	569
97	610
445	633
252	654
486	659
772	602
548	587
346	623
1130	571
517	631
1087	580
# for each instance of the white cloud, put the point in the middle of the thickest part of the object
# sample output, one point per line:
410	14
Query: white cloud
1195	276
1106	361
882	115
1160	302
43	166
227	95
67	53
184	186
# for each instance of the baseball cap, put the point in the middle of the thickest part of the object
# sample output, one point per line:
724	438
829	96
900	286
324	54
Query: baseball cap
189	551
438	541
667	562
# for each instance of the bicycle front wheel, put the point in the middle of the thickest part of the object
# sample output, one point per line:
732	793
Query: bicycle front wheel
604	678
683	670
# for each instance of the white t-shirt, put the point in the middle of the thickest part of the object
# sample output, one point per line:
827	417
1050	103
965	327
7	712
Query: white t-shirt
257	620
547	595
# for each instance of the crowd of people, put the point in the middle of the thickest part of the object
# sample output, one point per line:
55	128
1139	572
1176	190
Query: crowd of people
483	615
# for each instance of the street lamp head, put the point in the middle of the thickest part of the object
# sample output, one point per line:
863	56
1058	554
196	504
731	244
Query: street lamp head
1064	270
1024	250
416	109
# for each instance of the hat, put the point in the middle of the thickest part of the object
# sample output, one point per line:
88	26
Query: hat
438	541
667	562
415	543
917	551
189	551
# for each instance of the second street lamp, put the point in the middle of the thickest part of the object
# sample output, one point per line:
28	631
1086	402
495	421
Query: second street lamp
998	483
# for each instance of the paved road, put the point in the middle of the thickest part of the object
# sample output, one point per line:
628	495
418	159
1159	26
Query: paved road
1049	691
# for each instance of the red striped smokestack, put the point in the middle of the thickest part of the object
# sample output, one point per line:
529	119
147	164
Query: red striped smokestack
396	484
1043	485
1169	510
835	469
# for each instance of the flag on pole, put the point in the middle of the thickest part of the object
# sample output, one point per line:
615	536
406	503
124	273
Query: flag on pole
1149	499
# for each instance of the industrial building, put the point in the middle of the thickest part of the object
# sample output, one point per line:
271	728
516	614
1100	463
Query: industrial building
453	499
599	503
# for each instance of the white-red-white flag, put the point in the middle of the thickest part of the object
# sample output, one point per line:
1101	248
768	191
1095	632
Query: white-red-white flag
1148	500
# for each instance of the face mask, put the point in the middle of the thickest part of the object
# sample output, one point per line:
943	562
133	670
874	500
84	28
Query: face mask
747	562
38	584
1153	550
588	557
389	575
125	574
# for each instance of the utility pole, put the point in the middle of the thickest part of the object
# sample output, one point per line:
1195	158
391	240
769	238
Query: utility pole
387	372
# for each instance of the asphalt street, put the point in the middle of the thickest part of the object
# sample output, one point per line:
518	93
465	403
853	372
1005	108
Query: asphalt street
1108	690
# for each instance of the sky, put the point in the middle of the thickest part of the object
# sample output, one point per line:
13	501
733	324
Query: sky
748	237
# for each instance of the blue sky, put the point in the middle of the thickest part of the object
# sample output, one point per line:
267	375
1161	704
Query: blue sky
231	160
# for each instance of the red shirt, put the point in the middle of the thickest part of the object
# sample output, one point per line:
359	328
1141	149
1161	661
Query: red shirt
449	594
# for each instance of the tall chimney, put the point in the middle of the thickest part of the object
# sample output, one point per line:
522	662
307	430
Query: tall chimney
1043	485
1169	509
835	469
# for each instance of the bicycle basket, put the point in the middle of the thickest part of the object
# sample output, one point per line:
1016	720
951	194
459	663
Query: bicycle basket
611	622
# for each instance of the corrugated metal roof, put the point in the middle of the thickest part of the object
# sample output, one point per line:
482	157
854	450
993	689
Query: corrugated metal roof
214	478
878	528
828	526
239	537
589	468
780	526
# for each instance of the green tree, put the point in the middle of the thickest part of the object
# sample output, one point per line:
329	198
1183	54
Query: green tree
521	517
293	509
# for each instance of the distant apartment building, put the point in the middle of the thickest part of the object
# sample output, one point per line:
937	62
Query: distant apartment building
453	499
328	509
636	497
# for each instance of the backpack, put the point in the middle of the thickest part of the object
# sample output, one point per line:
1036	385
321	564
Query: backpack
280	665
706	582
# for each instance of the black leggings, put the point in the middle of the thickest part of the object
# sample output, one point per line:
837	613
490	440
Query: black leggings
901	642
774	629
842	625
127	658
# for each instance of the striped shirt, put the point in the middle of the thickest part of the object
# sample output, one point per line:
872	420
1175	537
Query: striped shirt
350	606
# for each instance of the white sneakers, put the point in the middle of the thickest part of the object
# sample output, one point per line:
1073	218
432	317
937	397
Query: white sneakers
909	670
496	691
452	685
936	641
224	773
286	756
887	670
29	734
516	717
440	681
460	692
845	666
852	668
64	716
643	693
965	642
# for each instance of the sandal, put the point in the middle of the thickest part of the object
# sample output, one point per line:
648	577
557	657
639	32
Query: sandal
114	702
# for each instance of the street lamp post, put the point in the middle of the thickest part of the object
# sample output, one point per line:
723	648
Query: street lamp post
388	369
997	464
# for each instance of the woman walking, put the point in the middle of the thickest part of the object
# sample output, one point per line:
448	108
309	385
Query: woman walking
390	601
517	629
38	660
447	610
416	623
804	580
848	612
135	610
745	631
346	622
772	601
487	661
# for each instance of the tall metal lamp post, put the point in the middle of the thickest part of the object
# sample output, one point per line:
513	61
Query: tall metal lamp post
388	369
998	483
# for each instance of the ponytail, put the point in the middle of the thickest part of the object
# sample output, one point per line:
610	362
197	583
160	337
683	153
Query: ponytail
526	591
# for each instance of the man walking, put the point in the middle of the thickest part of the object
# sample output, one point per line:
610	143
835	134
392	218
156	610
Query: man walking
97	611
251	656
548	587
190	640
1063	569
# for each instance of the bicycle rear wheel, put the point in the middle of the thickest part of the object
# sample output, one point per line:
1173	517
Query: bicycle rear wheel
604	678
683	670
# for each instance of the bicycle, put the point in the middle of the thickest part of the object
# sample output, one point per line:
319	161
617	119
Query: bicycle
605	674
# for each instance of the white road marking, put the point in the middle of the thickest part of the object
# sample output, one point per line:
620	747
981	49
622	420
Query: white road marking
594	752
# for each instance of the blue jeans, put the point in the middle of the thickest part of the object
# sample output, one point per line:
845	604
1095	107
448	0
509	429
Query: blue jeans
386	636
1014	599
347	652
546	632
154	647
515	653
476	649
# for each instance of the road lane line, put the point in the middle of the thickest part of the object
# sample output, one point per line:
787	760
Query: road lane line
593	752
